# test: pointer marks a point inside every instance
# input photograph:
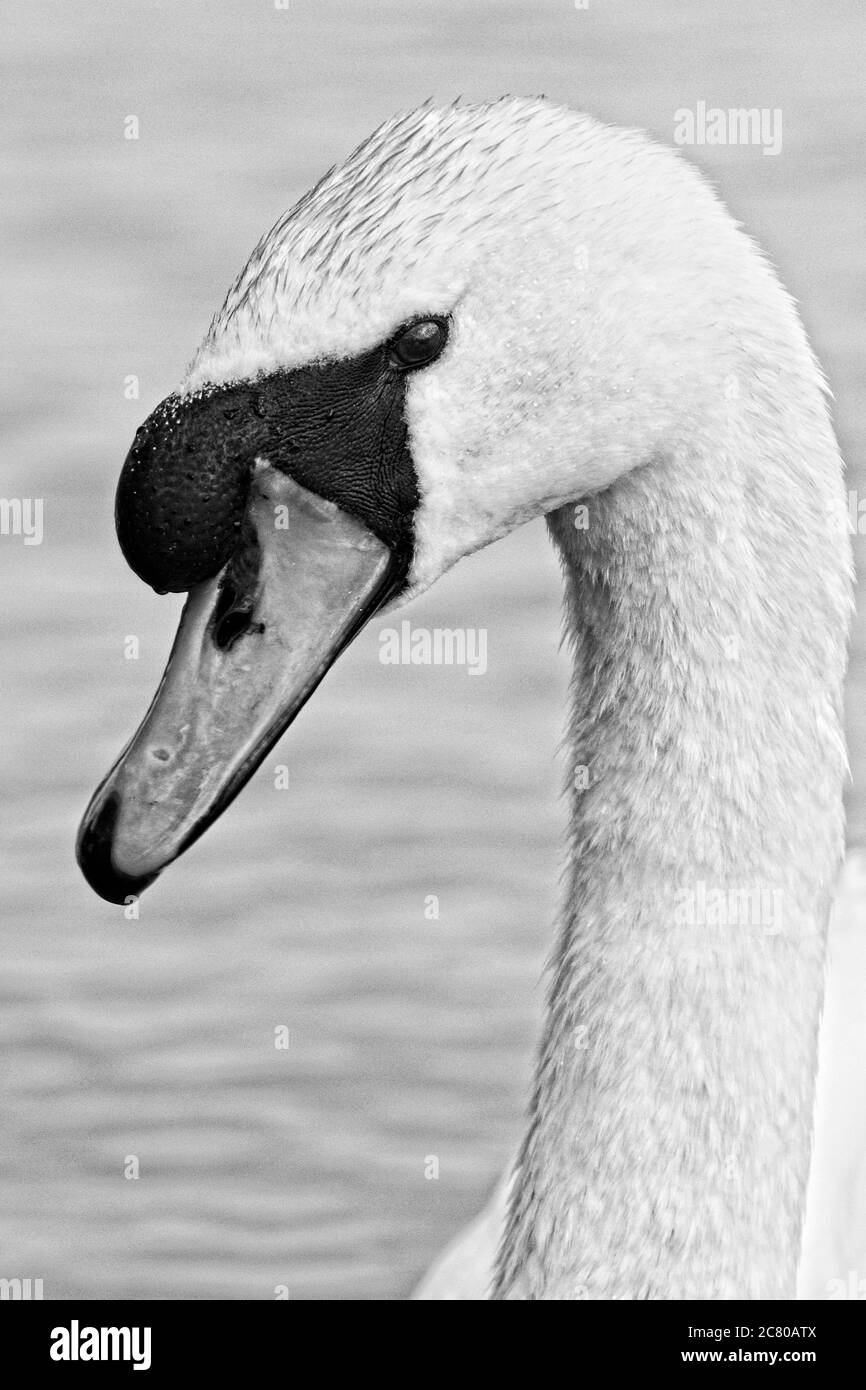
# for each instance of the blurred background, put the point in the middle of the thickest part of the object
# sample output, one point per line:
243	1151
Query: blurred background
304	908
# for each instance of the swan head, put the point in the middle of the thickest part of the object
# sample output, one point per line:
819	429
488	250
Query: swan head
555	254
484	313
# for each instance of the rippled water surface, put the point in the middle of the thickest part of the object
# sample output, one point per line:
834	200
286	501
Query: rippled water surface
305	908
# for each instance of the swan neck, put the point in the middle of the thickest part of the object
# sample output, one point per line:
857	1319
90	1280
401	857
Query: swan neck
668	1148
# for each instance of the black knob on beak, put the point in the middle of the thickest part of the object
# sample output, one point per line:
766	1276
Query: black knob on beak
184	486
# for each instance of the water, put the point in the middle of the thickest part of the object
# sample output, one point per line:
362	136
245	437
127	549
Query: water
409	1039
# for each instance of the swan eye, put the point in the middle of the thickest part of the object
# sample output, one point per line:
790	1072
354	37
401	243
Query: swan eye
418	344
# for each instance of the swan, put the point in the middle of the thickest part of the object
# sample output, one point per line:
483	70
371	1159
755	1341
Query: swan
834	1238
490	313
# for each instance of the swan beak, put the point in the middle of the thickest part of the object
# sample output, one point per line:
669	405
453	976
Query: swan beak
253	644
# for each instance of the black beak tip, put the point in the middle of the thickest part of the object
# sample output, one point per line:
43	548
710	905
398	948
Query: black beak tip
93	852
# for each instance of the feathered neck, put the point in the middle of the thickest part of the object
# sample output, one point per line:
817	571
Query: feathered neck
707	603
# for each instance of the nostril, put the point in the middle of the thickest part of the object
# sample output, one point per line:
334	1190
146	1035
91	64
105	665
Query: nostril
231	627
162	754
236	602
